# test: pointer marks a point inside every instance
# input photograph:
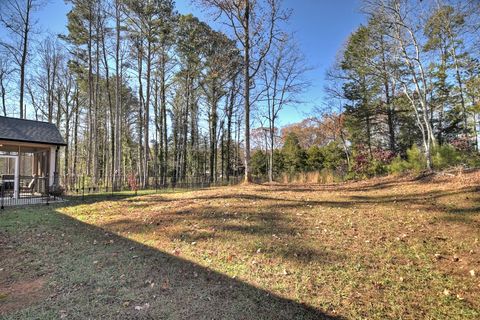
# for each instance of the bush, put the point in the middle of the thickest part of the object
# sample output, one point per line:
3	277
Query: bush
278	162
365	166
415	162
416	159
333	156
445	156
259	163
315	158
398	166
294	155
56	191
471	160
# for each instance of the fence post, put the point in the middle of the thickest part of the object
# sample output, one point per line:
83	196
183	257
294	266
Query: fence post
1	197
137	183
47	189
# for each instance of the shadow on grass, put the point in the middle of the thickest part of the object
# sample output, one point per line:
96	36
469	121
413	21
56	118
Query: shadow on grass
130	196
92	273
269	226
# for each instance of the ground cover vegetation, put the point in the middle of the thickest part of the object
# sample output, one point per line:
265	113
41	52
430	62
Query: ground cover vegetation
385	248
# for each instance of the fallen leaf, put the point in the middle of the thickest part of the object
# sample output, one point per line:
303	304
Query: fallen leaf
165	285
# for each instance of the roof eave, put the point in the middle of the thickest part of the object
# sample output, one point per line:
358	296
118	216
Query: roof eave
62	144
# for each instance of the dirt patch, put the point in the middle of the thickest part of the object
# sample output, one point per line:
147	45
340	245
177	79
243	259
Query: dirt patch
21	294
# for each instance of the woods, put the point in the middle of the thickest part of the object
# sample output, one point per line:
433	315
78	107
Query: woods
239	159
396	97
137	88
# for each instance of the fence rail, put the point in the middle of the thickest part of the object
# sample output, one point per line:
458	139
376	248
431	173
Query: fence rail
37	190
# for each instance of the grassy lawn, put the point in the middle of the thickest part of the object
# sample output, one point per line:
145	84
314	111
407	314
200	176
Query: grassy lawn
387	248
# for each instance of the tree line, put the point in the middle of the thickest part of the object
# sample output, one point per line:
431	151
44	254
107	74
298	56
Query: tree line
403	93
136	87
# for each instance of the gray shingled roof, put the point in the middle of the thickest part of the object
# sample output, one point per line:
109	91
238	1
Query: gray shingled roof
14	129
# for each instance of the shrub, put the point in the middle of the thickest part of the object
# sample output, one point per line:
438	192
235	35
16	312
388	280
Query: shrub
333	156
259	163
56	191
365	166
315	158
398	166
293	154
416	159
132	182
415	162
445	156
471	160
278	162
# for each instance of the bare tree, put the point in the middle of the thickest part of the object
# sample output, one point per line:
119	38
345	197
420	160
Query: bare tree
399	16
332	113
255	24
5	75
282	74
118	97
16	18
50	58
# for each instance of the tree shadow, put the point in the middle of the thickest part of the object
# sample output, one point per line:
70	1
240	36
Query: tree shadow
93	273
214	223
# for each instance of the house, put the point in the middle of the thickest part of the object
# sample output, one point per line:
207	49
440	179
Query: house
28	158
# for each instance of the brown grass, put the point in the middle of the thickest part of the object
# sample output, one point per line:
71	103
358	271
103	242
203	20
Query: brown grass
385	248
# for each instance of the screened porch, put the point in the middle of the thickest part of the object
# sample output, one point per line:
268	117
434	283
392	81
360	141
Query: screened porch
24	170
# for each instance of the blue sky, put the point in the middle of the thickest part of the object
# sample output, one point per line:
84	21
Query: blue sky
321	26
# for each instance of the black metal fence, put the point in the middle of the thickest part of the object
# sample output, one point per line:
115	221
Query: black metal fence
30	190
36	190
74	185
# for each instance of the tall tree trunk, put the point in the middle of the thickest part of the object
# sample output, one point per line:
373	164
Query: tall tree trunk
163	118
23	63
388	101
213	135
67	141
229	129
3	93
75	133
246	71
110	109
118	108
146	151
140	114
59	108
163	111
96	141
272	145
90	128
